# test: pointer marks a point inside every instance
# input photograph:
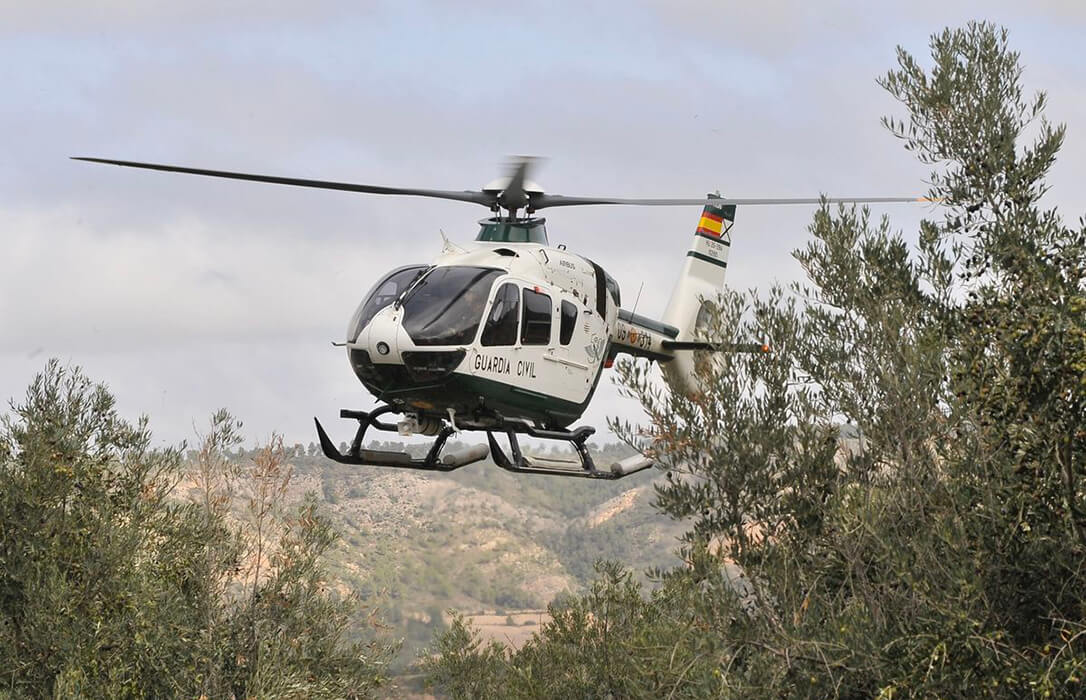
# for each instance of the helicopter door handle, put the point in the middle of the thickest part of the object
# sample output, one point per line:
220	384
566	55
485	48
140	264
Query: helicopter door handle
564	361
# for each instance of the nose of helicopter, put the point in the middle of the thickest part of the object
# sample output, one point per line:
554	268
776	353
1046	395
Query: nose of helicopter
375	347
380	337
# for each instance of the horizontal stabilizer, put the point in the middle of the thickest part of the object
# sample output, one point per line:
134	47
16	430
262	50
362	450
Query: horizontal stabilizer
714	347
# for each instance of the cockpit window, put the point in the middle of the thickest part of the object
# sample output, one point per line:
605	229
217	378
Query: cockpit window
383	293
446	305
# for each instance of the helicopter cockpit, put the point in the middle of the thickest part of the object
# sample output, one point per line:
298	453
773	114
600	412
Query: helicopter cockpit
441	305
445	306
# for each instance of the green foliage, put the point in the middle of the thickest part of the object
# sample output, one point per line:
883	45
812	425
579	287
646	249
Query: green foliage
462	665
939	550
608	643
1019	455
111	585
83	501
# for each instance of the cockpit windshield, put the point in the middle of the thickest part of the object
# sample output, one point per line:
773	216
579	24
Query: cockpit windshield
383	293
446	306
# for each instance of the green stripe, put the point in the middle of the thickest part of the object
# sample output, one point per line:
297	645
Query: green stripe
715	239
547	398
706	258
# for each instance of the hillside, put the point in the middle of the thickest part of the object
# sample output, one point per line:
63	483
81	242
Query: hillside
479	540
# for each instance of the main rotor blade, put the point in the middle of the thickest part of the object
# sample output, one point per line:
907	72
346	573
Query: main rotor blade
543	201
484	198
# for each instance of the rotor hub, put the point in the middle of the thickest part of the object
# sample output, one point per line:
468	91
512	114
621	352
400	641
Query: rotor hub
498	185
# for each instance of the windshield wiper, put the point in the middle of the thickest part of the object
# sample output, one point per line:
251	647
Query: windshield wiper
411	287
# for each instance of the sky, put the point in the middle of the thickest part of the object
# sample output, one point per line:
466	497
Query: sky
187	294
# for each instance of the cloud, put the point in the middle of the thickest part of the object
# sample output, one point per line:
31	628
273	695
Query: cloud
112	17
185	285
177	284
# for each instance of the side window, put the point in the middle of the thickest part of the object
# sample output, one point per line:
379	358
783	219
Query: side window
569	322
535	329
501	324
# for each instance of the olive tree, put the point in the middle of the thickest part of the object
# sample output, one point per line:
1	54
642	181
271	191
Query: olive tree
116	582
894	495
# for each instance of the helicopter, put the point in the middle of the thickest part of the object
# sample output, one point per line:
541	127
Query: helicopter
509	335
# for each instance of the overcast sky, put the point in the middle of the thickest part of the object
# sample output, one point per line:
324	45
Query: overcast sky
185	294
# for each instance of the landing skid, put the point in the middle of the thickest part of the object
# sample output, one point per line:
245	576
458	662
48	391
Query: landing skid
582	467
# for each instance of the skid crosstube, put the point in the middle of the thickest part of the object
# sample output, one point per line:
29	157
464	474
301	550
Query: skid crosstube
583	467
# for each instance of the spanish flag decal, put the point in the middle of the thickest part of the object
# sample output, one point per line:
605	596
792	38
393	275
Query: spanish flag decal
715	221
710	223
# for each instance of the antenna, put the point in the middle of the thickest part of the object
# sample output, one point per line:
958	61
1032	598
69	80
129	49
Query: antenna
448	246
638	298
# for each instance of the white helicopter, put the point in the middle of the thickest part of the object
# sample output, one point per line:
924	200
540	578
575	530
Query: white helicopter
509	335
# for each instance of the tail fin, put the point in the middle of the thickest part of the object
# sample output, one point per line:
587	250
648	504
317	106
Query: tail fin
701	279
